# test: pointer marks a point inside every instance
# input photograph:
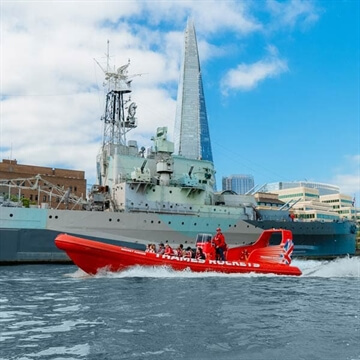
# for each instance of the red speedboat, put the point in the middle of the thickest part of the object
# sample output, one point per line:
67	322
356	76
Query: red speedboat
260	257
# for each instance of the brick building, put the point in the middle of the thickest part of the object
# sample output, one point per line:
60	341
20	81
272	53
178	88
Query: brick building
48	188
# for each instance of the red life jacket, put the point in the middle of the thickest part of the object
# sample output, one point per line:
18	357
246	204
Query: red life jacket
168	250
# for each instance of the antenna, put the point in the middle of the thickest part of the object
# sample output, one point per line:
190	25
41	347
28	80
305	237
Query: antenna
117	84
108	56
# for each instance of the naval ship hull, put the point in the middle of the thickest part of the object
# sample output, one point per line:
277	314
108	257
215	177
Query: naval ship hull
27	235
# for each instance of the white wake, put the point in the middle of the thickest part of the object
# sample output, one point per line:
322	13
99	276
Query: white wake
341	267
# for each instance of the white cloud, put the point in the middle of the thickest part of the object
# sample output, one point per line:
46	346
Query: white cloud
218	16
293	12
348	183
247	76
211	16
347	177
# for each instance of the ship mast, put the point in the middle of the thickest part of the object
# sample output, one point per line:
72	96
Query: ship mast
116	122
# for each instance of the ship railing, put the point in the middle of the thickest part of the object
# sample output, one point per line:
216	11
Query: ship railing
162	211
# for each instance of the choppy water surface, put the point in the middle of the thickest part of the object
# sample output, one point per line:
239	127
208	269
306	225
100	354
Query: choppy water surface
58	312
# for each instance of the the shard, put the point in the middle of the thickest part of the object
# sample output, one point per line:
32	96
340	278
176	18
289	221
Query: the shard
191	135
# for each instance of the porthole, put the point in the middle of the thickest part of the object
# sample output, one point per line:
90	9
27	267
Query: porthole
152	221
11	215
118	220
50	217
56	217
182	223
110	219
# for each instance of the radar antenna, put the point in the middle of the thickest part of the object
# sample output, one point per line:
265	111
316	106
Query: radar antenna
116	123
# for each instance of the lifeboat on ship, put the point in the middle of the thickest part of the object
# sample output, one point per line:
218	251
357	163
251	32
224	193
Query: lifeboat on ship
261	257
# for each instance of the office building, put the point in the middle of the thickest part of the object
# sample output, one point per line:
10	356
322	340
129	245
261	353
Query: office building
324	189
240	184
191	135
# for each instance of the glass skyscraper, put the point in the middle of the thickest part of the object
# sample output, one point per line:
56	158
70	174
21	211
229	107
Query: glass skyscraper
191	135
241	184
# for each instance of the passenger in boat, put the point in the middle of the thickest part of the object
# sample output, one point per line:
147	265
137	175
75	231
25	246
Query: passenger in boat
161	249
168	250
152	248
220	244
148	247
188	253
180	251
199	254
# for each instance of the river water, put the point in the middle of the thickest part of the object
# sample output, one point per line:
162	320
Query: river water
59	312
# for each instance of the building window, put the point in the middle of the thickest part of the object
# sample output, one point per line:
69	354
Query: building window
44	198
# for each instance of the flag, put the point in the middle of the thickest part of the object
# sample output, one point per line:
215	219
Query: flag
287	251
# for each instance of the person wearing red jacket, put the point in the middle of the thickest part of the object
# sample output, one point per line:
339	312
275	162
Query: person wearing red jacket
168	250
220	244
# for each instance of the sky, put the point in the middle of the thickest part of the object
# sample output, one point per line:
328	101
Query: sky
281	82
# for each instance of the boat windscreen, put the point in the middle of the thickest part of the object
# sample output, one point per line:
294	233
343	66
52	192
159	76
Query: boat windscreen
203	238
275	239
